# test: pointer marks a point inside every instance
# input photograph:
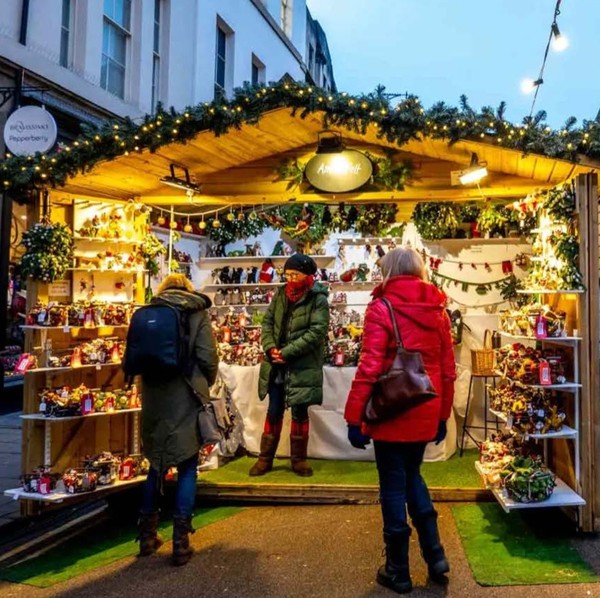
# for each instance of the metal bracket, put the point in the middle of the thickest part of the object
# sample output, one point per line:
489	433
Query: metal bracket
7	93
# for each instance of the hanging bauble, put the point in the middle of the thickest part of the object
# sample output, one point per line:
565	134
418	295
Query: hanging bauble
216	223
253	215
481	289
202	225
241	216
173	225
161	221
230	216
188	228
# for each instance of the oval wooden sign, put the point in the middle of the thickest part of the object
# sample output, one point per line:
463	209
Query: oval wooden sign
339	172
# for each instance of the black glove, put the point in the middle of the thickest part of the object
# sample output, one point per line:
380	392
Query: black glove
357	438
441	432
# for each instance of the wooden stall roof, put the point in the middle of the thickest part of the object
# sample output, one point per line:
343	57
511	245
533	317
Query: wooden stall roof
240	167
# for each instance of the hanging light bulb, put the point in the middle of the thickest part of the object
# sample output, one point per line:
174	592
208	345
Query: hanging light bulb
559	41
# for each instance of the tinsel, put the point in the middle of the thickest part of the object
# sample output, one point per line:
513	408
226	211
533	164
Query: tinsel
396	124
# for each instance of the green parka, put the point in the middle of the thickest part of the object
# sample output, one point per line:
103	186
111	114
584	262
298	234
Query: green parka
169	409
302	345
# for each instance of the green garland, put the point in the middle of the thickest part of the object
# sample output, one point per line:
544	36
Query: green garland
238	227
48	251
398	125
435	220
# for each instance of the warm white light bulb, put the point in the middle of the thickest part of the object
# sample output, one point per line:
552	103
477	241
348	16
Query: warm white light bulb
527	85
560	42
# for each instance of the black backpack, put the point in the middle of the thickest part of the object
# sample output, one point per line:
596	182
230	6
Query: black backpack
157	343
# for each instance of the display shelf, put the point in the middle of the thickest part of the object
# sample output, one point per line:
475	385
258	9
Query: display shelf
69	368
104	240
256	258
113	270
68	328
355	283
548	339
478	241
370	240
240	305
58	497
568	386
549	291
565	432
43	418
563	496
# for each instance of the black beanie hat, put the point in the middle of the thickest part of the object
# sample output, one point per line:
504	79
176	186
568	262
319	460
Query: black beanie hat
301	263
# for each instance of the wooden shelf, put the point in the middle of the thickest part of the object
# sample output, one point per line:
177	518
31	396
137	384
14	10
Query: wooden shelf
550	292
240	305
564	432
68	328
252	285
58	497
569	386
70	368
563	496
104	240
112	270
40	417
548	339
458	243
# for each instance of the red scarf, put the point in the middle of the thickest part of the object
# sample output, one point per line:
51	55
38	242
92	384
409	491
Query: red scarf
295	289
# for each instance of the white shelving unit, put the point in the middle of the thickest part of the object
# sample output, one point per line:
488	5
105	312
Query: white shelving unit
246	259
565	432
563	496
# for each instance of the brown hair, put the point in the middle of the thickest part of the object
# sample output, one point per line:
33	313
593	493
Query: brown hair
175	281
402	261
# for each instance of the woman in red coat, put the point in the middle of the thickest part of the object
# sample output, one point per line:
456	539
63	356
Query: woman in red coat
400	442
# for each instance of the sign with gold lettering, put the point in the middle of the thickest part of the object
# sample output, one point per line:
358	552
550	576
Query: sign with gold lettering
339	172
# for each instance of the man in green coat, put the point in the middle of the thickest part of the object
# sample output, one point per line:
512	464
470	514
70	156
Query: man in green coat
170	434
294	332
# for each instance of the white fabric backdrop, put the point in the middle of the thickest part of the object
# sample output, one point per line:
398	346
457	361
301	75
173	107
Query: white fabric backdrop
328	439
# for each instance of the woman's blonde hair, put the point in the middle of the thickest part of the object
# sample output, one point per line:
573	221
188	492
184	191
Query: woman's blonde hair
175	281
402	261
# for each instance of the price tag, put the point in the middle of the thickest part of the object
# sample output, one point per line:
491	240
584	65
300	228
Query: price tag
42	406
66	328
126	471
509	422
98	366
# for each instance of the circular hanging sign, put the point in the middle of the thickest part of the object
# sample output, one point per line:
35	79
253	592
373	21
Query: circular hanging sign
29	130
339	172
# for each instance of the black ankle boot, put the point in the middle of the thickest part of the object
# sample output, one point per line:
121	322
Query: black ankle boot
431	546
395	574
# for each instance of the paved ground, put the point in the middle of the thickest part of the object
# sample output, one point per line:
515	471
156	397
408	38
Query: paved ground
280	552
10	464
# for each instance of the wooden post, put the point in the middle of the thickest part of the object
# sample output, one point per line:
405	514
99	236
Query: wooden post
586	187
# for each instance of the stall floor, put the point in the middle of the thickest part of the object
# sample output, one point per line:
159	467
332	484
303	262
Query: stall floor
336	481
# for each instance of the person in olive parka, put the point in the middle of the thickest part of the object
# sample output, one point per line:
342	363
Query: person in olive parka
294	332
170	434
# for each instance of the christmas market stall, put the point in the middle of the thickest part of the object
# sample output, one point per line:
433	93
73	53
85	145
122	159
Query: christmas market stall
505	217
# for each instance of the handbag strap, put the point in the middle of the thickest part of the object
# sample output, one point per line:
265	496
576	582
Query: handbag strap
399	344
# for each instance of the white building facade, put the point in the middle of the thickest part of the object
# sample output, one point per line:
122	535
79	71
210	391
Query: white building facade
100	58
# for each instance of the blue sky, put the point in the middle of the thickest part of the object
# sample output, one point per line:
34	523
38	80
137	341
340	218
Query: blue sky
440	49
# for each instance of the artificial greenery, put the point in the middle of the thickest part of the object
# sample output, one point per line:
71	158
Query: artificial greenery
234	227
435	220
560	203
509	288
396	124
48	251
492	220
291	171
150	249
468	212
372	220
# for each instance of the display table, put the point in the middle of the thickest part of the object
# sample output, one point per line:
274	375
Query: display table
328	438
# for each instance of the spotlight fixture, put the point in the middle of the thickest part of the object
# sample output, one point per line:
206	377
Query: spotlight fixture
329	142
559	41
476	171
184	184
528	85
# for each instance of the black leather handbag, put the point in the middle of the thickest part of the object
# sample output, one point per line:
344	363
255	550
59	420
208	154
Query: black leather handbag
404	386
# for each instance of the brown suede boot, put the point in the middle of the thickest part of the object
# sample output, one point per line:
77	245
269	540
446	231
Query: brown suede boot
298	446
182	551
148	536
268	448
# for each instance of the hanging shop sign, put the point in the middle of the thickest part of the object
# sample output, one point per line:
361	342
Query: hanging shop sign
29	130
339	172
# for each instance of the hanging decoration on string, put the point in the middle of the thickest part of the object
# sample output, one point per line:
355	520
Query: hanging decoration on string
520	260
442	281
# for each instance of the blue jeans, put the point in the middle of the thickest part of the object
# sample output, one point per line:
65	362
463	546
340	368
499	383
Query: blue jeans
277	405
185	496
401	484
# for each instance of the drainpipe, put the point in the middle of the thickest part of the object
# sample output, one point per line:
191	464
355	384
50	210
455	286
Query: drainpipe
24	22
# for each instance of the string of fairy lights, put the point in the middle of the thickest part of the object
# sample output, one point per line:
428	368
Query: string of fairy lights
559	43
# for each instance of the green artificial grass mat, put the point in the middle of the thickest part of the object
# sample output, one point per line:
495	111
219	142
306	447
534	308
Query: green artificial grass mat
521	548
77	557
456	472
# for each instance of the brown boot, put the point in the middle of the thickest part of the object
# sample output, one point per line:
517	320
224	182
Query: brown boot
182	551
298	446
268	448
148	537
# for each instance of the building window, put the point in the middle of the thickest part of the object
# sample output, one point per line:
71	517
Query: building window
286	16
258	71
156	56
311	57
220	62
65	33
116	34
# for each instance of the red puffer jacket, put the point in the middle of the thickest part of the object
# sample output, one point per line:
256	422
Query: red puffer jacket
425	327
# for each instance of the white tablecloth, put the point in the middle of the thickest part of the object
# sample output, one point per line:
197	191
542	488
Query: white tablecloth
328	438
